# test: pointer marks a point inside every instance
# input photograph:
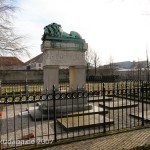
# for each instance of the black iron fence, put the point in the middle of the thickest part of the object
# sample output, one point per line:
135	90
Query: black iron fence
35	117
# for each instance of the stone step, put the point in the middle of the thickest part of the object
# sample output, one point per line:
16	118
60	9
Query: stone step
94	110
79	122
119	104
99	99
139	115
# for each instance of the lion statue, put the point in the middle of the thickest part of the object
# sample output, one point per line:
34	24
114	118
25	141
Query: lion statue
55	30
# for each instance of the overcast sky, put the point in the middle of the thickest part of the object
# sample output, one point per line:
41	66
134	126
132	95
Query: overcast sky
116	28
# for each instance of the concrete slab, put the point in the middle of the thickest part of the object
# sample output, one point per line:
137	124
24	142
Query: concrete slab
37	114
119	104
99	99
79	122
139	115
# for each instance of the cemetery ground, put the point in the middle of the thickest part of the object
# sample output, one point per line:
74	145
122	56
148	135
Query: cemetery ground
42	127
123	107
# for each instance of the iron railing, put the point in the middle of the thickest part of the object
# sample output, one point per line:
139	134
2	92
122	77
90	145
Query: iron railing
36	117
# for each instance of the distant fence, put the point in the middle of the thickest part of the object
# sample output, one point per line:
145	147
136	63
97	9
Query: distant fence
34	118
110	78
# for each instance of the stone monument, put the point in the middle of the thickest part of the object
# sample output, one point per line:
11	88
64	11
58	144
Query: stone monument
62	49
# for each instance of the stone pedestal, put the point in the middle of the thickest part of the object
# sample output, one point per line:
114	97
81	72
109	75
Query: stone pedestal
67	54
77	77
51	77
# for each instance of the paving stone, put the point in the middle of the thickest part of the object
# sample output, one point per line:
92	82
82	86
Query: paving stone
122	141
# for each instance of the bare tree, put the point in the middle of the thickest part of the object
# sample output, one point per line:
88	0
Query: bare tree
92	60
139	69
136	70
133	70
147	65
10	43
112	66
96	62
89	56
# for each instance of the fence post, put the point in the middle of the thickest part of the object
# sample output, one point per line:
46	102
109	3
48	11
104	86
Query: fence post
26	88
104	115
1	107
0	89
54	108
142	97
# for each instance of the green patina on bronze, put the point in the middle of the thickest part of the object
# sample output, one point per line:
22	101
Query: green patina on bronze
54	31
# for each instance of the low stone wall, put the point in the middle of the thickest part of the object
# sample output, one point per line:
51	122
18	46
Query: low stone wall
20	75
7	76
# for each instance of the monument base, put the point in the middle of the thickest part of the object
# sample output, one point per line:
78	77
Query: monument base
65	109
37	114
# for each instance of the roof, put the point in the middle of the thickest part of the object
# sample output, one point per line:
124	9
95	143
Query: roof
37	59
10	61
